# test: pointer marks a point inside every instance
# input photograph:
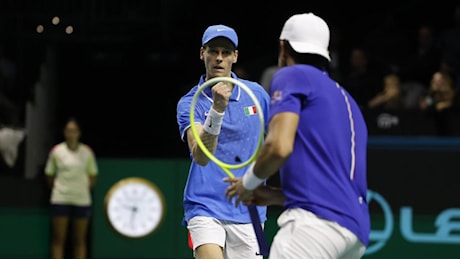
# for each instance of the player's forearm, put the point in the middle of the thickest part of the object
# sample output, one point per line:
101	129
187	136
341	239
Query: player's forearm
92	182
210	142
269	161
269	196
278	146
277	197
267	164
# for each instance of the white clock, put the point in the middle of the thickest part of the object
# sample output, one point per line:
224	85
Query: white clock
135	207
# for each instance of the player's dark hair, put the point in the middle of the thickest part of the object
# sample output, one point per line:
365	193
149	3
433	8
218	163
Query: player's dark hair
307	58
74	120
212	43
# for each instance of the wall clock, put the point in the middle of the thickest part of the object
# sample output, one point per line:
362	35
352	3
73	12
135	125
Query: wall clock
134	207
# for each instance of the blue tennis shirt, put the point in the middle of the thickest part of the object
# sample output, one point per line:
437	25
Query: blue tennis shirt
326	173
204	193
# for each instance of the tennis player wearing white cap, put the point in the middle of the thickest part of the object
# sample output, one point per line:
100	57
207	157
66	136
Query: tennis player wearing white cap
317	139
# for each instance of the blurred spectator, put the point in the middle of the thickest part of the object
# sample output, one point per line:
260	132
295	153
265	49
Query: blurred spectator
266	77
9	110
412	92
441	102
336	53
11	134
71	171
387	43
241	71
7	75
10	142
449	45
391	97
362	78
423	59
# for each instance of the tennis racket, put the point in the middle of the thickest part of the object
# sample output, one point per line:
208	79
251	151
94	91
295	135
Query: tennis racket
247	116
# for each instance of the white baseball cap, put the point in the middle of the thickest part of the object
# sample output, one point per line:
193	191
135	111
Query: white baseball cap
307	33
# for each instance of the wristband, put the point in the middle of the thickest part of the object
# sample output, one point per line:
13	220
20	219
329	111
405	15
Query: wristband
250	180
213	122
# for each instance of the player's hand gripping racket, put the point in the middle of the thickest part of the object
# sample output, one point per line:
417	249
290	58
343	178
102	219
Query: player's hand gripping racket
249	118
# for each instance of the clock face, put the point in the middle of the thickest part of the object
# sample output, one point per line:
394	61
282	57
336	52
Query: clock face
134	207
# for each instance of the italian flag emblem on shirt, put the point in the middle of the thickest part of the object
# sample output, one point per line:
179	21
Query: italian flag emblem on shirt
252	110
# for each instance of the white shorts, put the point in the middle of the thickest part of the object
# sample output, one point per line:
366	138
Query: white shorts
237	240
304	235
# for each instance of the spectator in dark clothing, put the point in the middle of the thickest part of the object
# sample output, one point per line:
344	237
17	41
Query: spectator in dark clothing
424	58
441	102
362	79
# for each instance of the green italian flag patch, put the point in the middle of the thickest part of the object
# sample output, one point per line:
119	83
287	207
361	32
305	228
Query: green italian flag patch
252	110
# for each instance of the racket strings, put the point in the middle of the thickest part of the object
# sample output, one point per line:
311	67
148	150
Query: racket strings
242	130
239	137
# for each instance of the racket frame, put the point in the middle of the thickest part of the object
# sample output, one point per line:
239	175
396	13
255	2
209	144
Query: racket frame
223	165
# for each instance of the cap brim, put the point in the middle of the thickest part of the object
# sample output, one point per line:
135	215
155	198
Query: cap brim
302	47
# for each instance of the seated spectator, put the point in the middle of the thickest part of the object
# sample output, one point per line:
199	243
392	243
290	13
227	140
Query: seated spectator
423	59
441	101
362	77
449	45
412	92
391	97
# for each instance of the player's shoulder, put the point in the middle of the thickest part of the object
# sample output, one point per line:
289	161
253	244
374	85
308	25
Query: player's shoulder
299	72
86	148
249	83
57	147
294	69
183	104
253	85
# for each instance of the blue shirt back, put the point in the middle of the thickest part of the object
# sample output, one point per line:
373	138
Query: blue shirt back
326	173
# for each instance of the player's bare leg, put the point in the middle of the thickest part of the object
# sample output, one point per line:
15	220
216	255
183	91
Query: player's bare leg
80	229
59	235
208	251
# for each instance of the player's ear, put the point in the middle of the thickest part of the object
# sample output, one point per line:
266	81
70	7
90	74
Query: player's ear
201	53
235	59
283	47
282	54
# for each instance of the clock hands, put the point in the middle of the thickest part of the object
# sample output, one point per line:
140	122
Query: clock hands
133	215
128	207
134	207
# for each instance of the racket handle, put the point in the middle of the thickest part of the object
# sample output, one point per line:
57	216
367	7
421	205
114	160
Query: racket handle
260	235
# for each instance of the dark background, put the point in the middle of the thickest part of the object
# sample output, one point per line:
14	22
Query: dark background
123	69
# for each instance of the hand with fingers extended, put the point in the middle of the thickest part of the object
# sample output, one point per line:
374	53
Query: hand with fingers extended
261	196
236	189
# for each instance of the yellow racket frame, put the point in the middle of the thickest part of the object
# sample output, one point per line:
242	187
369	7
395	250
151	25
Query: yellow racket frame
225	166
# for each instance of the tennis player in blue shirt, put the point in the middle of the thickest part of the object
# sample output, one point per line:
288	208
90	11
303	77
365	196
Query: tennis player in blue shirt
317	139
217	229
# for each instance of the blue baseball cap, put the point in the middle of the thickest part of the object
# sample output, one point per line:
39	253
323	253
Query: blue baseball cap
219	30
